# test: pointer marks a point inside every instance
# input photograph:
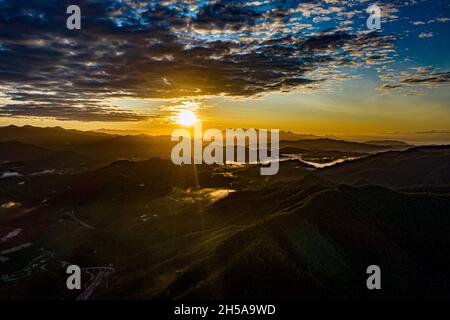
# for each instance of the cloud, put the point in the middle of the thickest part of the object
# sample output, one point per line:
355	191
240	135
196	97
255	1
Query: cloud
175	49
443	20
419	78
390	86
426	35
64	112
440	19
433	78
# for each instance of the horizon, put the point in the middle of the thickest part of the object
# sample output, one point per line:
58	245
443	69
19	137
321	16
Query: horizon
429	137
311	67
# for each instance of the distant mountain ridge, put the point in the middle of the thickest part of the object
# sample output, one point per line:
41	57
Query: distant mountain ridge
102	147
387	143
339	145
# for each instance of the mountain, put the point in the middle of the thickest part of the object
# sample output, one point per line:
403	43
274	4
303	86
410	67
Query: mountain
291	239
320	156
54	138
121	132
148	229
19	151
320	247
284	135
97	148
292	136
26	158
337	145
127	147
106	147
420	166
388	143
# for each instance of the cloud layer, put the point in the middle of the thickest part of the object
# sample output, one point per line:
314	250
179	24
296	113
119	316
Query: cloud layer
175	49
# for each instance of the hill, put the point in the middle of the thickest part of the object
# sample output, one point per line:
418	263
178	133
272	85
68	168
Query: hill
145	228
336	145
388	143
321	246
54	138
420	166
25	158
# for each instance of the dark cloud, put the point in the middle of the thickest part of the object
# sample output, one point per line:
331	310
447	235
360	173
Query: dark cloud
226	14
431	78
390	86
168	49
65	112
420	77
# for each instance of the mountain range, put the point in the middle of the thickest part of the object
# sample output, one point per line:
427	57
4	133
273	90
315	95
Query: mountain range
143	228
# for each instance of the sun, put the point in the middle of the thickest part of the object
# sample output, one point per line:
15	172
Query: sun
186	118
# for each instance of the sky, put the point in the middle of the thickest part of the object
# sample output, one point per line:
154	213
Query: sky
309	66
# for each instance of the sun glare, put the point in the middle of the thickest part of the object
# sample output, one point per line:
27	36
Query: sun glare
186	118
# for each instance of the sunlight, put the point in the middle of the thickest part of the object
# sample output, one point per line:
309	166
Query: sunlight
186	118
